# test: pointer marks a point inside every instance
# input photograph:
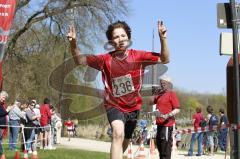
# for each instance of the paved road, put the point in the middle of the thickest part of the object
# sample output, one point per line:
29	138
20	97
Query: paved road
100	146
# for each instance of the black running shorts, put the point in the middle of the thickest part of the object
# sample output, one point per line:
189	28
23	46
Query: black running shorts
129	120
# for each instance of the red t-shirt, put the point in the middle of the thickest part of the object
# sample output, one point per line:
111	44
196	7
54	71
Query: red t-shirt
198	117
123	78
69	125
45	115
166	103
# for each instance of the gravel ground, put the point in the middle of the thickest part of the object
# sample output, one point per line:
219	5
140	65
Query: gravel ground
100	146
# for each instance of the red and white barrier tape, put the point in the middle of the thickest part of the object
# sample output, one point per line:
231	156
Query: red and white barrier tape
207	128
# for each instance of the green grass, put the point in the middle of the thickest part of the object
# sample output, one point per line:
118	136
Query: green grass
61	153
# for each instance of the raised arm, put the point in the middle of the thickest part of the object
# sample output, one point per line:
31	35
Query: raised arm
162	31
79	59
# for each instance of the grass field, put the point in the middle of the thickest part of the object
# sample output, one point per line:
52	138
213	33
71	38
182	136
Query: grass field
61	153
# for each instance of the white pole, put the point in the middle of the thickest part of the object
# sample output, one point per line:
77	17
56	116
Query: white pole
24	142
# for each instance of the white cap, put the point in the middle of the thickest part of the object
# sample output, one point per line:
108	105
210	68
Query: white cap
165	78
37	106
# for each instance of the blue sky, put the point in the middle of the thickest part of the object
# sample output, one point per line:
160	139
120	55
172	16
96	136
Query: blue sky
193	39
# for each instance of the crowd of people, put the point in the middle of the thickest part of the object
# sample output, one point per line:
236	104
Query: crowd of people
32	125
208	142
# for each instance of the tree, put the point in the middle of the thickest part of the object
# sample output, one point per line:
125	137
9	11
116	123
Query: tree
28	77
89	16
191	104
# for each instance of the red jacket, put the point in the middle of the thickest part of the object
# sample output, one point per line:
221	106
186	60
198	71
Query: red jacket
45	115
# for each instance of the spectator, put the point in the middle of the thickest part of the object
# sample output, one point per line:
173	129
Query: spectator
144	132
23	122
222	138
56	124
75	133
45	121
23	109
36	109
168	106
15	115
178	138
38	127
143	123
3	117
58	128
32	122
212	121
196	120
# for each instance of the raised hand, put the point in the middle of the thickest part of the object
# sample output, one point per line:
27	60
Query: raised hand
71	33
162	30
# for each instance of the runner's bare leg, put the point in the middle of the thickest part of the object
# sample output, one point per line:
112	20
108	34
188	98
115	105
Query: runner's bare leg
116	151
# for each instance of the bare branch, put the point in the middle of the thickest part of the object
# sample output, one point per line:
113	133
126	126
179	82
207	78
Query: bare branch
101	12
21	3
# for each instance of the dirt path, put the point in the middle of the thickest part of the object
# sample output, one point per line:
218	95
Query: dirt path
100	146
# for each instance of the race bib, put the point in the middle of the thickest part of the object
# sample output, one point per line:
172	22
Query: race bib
122	85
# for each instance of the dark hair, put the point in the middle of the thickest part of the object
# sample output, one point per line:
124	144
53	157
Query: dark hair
28	103
210	109
118	24
46	101
221	110
198	110
51	106
53	109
